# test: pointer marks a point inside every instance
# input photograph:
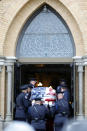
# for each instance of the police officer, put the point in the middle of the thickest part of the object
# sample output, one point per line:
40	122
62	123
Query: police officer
28	95
32	82
60	111
28	99
21	104
38	114
65	92
61	83
63	88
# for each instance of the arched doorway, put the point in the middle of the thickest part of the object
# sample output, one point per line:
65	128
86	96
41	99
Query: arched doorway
45	49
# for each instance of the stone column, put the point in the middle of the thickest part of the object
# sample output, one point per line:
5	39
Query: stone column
1	66
1	117
79	64
85	85
9	65
0	90
9	92
80	78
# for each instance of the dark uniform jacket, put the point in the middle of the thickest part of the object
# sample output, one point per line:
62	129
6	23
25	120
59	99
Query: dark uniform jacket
62	106
21	106
28	99
66	95
37	115
60	111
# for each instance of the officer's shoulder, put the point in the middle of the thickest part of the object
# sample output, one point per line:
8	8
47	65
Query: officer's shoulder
20	95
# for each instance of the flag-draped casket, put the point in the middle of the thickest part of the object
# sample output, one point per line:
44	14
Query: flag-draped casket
47	94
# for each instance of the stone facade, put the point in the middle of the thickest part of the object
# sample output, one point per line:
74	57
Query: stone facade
14	14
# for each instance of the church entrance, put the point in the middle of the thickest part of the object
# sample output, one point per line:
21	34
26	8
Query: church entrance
48	75
44	50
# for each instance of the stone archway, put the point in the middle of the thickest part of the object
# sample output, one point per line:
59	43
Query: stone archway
45	35
24	14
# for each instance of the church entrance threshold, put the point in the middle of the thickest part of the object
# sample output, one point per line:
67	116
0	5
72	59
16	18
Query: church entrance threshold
47	74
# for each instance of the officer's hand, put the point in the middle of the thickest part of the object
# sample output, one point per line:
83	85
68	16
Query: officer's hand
60	96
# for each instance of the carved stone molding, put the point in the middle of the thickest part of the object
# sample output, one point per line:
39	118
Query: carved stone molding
84	60
78	60
10	61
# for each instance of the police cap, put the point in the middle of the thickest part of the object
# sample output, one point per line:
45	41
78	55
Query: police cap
30	86
32	79
24	87
59	91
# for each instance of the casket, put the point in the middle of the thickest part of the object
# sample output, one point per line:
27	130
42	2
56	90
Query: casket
38	92
47	94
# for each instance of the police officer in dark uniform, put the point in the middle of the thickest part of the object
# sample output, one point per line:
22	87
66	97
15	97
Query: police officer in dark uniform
60	111
63	88
28	94
37	114
32	82
21	104
28	98
61	83
65	92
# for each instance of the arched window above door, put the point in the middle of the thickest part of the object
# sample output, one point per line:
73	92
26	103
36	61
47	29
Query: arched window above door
45	34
